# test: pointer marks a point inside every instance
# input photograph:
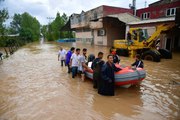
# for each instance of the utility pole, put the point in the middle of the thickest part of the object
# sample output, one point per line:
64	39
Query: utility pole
133	7
49	18
145	3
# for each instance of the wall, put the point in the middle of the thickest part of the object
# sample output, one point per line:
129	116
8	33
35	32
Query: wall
83	19
99	40
161	2
115	30
84	37
157	11
109	10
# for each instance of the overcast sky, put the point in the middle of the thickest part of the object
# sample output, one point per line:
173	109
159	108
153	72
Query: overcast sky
41	9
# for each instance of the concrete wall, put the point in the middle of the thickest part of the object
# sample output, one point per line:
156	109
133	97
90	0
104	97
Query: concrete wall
83	34
96	25
114	30
84	37
83	19
109	10
115	34
99	40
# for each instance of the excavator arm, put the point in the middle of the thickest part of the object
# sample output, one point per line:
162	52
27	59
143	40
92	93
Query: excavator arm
156	34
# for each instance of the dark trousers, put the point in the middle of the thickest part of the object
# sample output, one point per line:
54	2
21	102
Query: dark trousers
63	61
1	55
74	71
69	68
96	78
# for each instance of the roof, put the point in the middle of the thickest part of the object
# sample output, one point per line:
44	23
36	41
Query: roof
66	27
153	21
125	17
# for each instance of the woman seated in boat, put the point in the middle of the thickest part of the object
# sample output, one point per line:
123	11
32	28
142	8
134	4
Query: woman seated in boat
138	63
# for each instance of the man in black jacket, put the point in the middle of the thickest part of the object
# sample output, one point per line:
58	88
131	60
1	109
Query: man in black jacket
96	67
107	81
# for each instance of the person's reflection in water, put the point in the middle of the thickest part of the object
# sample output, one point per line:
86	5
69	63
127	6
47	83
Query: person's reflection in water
125	104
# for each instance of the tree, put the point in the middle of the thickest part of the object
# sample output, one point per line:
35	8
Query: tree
16	24
56	25
27	26
3	18
44	30
54	29
32	24
65	18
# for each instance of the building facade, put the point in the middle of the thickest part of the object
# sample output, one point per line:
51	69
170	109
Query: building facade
160	9
96	27
161	12
104	24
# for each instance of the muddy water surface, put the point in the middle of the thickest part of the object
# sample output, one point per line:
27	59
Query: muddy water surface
33	86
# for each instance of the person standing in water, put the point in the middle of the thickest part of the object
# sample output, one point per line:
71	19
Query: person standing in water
62	56
96	67
68	58
107	81
74	62
82	63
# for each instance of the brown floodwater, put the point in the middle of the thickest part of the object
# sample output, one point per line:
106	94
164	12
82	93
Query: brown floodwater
33	86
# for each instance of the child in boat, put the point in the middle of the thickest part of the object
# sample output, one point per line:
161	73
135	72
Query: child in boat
138	63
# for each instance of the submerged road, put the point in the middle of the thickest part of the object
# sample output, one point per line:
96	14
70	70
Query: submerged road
33	86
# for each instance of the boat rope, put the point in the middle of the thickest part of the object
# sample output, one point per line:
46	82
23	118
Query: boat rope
139	75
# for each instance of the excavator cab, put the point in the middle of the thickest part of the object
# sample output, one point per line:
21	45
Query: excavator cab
139	36
143	35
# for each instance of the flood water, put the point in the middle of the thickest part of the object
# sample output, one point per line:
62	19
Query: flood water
33	86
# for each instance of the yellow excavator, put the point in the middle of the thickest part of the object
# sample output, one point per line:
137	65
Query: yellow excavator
140	43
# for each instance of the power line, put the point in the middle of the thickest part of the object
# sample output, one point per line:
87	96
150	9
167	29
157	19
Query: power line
50	18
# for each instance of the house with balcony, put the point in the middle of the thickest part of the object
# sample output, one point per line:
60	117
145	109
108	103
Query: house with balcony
101	25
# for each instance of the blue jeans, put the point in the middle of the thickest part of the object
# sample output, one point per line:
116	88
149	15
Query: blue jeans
74	71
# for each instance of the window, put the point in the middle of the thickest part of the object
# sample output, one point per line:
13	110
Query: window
171	12
95	15
145	15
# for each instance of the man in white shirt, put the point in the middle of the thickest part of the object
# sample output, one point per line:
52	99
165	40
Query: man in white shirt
62	56
74	63
82	64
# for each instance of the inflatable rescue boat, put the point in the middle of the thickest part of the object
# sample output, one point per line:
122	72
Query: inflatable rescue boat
125	77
